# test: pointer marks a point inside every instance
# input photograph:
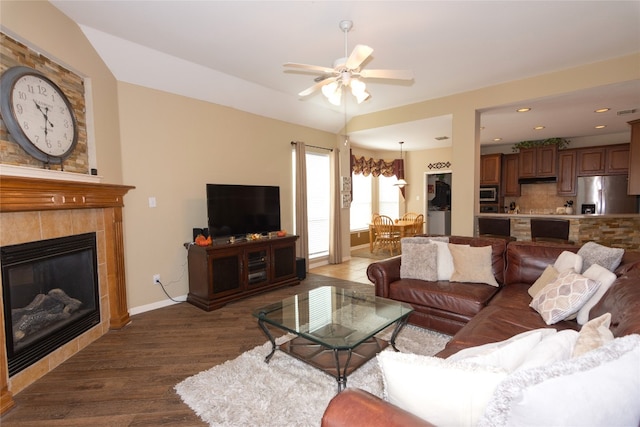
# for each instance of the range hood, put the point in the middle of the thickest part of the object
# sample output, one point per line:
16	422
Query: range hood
537	180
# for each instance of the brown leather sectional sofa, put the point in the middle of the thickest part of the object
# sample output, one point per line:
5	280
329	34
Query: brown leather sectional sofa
477	314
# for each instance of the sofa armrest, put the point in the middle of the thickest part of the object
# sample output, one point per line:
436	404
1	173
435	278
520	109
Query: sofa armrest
354	407
383	273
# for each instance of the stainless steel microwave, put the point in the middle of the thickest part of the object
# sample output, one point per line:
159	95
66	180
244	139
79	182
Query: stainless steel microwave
489	194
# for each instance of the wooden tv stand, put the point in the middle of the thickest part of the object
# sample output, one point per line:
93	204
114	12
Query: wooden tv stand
225	272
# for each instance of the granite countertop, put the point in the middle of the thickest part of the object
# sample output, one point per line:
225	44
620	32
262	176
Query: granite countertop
560	216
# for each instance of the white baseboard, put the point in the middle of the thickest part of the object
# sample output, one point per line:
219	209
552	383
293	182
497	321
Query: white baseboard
156	305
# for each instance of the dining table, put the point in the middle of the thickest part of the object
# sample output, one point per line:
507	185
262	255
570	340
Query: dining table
402	226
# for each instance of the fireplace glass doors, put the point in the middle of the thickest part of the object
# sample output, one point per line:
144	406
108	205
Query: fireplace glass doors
50	295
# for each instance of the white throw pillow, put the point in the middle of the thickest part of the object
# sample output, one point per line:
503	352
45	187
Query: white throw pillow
472	264
600	388
563	297
606	279
508	354
550	349
567	261
442	392
445	260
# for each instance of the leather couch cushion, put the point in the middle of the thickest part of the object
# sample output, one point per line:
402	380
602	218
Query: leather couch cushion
496	323
622	300
458	297
526	261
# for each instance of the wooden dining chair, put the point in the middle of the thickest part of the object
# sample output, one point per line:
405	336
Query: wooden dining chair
386	235
409	216
417	225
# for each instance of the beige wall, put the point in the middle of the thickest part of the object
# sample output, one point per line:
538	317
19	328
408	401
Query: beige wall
169	146
44	28
172	146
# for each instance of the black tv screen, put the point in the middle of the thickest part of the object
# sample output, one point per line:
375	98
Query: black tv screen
236	210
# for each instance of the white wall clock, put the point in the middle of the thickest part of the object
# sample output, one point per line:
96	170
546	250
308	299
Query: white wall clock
37	114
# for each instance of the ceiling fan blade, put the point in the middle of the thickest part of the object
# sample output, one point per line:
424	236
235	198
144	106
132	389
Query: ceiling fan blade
317	86
358	56
309	67
387	74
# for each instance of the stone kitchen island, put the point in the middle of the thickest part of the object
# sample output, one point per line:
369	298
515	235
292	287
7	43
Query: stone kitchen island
615	230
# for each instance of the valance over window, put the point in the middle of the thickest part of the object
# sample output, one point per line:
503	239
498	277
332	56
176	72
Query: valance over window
377	167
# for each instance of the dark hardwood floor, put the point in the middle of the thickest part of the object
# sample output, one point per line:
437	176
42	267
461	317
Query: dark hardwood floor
126	377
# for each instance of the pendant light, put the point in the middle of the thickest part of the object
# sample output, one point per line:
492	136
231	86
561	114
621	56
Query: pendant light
401	182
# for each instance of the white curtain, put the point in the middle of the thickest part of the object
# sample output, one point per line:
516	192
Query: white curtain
302	244
335	230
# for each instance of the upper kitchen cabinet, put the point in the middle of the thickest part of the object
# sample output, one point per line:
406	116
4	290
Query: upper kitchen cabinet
538	162
634	159
605	160
490	165
591	161
617	160
567	173
510	184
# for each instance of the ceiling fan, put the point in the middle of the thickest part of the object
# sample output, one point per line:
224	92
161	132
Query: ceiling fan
347	72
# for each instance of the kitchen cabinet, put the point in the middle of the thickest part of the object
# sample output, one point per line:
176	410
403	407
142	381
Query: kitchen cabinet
591	161
634	159
604	160
490	165
510	184
567	178
538	162
617	160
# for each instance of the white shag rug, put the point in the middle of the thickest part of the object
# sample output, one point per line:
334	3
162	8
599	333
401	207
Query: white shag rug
286	391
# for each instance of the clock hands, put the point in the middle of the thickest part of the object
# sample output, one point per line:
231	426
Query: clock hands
45	113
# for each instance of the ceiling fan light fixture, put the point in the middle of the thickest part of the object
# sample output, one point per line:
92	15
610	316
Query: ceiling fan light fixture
361	97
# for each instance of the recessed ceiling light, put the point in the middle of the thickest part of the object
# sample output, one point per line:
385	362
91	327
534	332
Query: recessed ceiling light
497	139
600	126
523	110
601	110
538	128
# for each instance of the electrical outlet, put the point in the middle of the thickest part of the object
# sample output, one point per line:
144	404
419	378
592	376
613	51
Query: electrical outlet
156	279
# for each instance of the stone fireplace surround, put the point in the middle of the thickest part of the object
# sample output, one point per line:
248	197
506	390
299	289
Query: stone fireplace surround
34	209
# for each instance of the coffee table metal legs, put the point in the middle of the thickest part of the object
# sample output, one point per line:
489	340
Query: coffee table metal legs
273	341
341	376
341	367
399	325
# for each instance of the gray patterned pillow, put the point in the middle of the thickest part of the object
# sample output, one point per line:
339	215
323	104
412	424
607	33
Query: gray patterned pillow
594	253
419	259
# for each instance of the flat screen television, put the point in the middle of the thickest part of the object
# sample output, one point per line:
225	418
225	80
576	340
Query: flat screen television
236	210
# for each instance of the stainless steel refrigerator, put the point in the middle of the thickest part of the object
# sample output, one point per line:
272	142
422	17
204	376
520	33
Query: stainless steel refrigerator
605	195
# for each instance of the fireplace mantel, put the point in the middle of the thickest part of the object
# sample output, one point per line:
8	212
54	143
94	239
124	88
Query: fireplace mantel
27	194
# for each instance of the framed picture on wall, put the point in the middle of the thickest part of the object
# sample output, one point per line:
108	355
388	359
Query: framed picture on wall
346	183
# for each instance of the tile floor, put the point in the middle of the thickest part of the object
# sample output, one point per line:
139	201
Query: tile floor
354	270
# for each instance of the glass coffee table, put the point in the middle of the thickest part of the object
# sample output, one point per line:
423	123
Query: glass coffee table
334	328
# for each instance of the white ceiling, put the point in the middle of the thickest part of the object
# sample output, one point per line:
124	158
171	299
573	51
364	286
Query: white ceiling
231	53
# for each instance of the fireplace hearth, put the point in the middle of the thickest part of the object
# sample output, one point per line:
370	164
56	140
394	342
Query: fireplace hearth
50	294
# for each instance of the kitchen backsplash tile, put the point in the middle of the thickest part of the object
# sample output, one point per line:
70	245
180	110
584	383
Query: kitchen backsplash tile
540	198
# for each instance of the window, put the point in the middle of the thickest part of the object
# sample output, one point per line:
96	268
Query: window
318	203
388	197
361	206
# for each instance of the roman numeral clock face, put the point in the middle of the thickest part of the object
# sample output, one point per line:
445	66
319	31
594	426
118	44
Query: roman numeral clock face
38	115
